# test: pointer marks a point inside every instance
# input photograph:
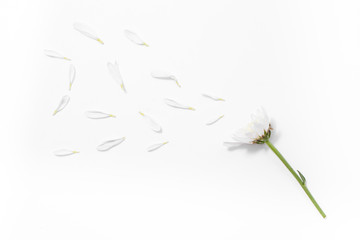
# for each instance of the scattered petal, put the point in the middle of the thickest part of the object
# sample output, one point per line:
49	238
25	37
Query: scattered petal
156	146
54	54
72	74
175	104
134	38
115	73
64	101
165	76
153	125
213	97
98	115
215	120
105	146
64	152
87	31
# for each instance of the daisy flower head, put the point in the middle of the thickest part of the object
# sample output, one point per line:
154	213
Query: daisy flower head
257	131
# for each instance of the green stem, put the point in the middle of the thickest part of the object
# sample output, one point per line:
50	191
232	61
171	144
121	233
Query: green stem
302	184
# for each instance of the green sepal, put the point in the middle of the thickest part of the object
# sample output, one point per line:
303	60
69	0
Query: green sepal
303	179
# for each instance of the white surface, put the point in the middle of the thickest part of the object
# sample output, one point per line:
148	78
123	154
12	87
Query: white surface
298	59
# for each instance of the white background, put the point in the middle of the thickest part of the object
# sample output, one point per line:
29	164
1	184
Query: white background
297	59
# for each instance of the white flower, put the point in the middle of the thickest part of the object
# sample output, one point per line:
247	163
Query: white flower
258	131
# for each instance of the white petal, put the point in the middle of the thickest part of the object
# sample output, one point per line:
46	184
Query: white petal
260	116
240	134
213	97
64	152
233	144
134	38
98	115
245	134
54	54
72	74
242	139
247	131
64	101
165	76
87	31
105	146
260	121
153	125
175	104
259	129
215	120
115	73
156	146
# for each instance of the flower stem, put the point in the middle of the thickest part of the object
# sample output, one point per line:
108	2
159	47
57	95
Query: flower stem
300	181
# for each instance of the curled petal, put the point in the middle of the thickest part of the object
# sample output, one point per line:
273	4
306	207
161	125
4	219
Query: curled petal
175	104
165	76
153	125
64	101
115	73
64	152
134	38
87	31
98	115
72	74
213	97
162	75
215	120
156	146
105	146
54	54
